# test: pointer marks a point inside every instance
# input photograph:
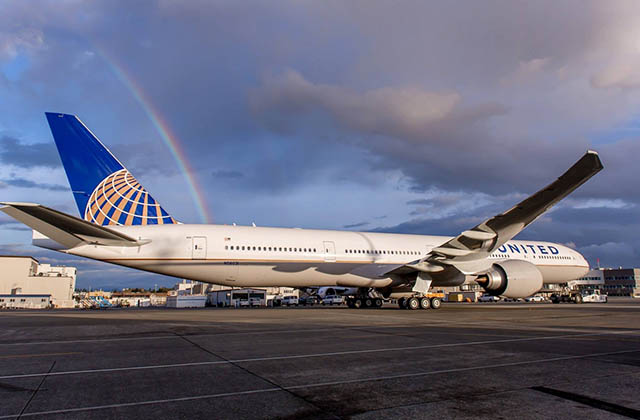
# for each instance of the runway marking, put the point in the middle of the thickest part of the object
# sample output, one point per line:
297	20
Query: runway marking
304	356
39	355
592	402
318	384
257	332
433	322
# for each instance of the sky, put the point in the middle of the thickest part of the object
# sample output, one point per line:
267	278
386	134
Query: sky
422	117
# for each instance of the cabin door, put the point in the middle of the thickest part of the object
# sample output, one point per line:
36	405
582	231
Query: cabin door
329	251
199	247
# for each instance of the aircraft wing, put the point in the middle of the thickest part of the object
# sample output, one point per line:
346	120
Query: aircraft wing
66	229
468	251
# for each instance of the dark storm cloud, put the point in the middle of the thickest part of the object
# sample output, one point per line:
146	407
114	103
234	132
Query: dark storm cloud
26	183
226	174
356	225
13	152
430	136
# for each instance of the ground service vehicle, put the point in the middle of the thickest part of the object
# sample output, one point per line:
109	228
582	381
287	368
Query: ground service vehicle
593	296
290	300
579	296
333	300
308	300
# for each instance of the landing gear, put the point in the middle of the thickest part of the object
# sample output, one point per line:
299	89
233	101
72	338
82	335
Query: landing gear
436	303
425	303
413	303
370	298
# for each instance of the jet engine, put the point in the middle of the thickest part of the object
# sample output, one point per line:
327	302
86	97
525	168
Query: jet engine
511	278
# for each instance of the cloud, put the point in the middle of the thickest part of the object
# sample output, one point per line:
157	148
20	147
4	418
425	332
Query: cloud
11	42
25	183
619	75
407	112
23	155
356	225
226	174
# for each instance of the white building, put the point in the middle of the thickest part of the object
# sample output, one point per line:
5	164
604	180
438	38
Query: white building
186	301
20	275
25	301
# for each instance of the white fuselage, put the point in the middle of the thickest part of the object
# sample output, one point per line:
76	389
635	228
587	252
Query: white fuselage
258	256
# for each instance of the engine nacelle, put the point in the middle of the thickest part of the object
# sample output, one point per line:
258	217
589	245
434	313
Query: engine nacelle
512	278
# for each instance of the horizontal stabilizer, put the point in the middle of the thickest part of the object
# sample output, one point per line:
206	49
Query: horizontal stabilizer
67	230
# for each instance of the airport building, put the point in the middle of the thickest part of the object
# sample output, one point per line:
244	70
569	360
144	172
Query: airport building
612	281
25	283
621	281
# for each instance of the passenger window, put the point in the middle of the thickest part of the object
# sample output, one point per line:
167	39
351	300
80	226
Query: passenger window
226	247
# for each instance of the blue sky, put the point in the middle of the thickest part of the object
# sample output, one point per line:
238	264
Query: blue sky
420	117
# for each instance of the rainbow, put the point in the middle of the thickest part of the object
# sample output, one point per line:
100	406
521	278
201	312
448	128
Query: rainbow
168	136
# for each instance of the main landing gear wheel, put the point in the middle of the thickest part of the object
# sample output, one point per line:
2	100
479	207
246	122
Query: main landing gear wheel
402	303
357	303
436	303
424	303
413	303
368	303
377	303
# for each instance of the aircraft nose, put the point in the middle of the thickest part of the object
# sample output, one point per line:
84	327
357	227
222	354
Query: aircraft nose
582	261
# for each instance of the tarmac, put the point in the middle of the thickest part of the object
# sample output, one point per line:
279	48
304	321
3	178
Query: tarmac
466	361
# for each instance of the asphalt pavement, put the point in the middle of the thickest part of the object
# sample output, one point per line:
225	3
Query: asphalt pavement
461	361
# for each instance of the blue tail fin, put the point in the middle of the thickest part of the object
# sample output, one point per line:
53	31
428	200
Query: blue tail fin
105	192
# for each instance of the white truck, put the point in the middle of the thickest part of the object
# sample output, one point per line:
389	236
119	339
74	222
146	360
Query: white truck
333	300
582	296
593	296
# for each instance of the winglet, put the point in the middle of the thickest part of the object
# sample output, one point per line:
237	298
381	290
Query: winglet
477	242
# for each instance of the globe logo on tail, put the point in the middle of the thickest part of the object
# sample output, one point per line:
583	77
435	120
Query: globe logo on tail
120	200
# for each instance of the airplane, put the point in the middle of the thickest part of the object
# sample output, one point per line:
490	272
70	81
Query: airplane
122	224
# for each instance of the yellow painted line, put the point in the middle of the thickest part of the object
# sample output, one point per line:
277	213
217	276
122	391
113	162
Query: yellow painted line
39	355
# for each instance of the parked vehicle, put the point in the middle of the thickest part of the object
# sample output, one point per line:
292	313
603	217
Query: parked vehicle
290	300
574	296
593	296
488	298
308	300
333	300
535	298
